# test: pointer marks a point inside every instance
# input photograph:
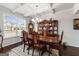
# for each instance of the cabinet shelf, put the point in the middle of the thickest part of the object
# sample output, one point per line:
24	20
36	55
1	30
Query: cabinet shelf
50	26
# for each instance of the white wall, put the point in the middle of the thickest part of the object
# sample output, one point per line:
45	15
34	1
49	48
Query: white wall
65	18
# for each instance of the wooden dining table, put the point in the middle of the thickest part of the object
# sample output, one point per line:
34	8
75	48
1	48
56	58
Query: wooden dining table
46	40
49	39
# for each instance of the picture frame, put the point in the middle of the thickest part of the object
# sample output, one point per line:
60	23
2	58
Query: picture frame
76	24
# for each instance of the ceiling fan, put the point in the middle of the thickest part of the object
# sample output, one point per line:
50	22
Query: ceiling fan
53	9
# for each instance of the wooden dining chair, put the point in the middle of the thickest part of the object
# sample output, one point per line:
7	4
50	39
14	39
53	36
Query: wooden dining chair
36	44
58	45
60	42
1	43
26	40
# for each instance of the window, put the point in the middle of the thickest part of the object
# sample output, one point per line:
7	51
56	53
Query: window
13	26
21	25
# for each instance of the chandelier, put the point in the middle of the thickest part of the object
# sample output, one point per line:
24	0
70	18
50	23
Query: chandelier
36	18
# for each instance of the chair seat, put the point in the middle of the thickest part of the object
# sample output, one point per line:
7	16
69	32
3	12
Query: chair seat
55	46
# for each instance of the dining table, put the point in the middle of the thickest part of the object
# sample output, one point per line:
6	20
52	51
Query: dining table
46	40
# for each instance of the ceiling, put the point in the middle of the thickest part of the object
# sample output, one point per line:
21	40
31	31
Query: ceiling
28	9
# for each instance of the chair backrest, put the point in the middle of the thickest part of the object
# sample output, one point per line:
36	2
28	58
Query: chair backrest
25	36
61	37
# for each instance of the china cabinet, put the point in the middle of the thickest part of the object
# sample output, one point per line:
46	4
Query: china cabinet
48	26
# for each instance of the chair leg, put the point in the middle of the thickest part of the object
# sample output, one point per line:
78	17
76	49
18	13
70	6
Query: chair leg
39	51
24	48
28	49
49	50
60	52
33	52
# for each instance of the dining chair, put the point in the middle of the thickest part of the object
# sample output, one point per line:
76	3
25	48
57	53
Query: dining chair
26	40
1	44
58	45
36	44
60	42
